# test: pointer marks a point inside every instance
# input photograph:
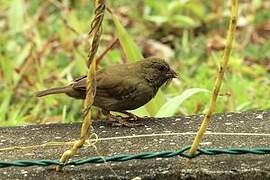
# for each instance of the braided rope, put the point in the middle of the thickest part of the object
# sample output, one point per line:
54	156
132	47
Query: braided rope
140	156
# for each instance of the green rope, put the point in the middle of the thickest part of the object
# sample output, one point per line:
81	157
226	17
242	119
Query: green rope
145	155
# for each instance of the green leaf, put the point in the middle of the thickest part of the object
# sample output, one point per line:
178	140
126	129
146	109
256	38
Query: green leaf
196	8
23	54
172	106
176	7
140	112
7	68
16	12
4	106
132	51
183	21
154	105
157	19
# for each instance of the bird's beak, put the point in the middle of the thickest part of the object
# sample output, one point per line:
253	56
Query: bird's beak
172	74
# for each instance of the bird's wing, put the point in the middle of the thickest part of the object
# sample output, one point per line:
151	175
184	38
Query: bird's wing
79	83
112	85
116	87
79	78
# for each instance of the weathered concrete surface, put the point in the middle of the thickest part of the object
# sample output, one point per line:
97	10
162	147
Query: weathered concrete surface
204	167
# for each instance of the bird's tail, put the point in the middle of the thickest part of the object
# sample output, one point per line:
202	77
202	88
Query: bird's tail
57	90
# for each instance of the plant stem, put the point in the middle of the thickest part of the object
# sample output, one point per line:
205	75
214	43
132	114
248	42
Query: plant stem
218	82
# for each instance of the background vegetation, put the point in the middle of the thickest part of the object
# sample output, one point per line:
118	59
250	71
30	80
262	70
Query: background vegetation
44	44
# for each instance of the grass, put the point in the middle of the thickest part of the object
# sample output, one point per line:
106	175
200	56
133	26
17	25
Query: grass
43	44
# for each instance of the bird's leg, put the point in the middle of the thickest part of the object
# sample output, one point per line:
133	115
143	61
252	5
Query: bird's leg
119	121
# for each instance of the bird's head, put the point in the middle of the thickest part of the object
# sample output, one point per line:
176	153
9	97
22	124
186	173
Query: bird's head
156	71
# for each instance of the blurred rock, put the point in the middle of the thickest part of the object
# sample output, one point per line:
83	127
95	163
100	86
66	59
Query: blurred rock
152	47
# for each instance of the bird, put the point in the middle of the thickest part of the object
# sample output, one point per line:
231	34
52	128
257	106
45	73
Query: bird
121	87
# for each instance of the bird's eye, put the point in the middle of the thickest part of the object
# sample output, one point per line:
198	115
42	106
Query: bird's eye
161	68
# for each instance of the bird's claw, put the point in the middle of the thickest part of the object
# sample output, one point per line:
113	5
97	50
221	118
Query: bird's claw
121	121
133	117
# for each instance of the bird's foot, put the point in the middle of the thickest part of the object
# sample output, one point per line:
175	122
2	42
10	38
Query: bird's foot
131	117
123	121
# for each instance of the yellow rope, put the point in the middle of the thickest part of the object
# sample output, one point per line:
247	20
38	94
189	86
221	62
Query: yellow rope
97	139
95	33
93	142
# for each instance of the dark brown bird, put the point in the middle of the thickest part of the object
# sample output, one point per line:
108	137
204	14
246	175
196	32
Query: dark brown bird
121	87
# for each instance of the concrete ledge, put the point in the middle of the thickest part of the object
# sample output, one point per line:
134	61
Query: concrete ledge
248	129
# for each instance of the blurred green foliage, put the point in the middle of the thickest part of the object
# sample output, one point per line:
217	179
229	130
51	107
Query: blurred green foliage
44	44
